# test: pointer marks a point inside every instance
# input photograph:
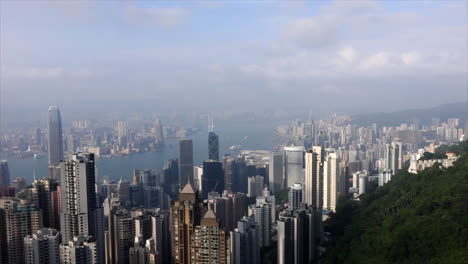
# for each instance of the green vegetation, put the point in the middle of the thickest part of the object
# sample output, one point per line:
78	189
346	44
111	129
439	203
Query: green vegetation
419	218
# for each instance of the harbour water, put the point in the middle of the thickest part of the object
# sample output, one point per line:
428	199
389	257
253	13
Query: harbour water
250	135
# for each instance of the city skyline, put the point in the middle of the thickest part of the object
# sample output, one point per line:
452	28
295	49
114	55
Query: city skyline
242	132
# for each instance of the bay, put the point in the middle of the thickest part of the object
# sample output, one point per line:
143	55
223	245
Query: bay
248	134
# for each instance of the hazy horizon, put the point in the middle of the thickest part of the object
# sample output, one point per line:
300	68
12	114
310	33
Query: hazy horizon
326	57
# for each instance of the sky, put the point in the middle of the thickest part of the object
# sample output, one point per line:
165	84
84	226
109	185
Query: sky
324	56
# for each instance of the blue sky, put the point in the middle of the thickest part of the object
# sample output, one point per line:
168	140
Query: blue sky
338	55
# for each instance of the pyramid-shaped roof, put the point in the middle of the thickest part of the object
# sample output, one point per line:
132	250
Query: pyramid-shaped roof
187	189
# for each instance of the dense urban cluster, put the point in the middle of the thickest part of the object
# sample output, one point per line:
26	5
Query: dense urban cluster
229	209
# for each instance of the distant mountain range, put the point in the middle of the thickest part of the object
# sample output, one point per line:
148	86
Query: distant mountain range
423	116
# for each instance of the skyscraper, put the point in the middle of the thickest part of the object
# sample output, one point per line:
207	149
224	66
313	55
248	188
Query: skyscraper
229	167
55	136
294	164
81	250
80	214
213	146
186	162
209	242
333	181
17	220
121	235
297	238
38	136
262	215
186	213
276	172
47	201
213	177
244	246
314	177
42	246
296	195
4	174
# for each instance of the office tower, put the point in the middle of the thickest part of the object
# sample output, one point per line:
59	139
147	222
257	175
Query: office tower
42	247
161	225
4	174
294	164
229	167
153	197
121	235
296	196
396	157
244	242
45	192
213	177
213	146
122	133
158	130
266	198
333	181
186	162
255	186
17	220
262	216
314	177
229	208
240	176
171	177
209	243
276	173
186	213
144	253
38	137
297	235
197	177
80	214
80	250
55	139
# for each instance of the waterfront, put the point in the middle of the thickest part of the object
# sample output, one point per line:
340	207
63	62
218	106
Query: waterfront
250	135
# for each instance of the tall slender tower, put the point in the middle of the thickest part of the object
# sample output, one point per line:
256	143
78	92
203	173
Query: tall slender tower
186	162
314	177
4	174
80	214
186	214
55	136
213	146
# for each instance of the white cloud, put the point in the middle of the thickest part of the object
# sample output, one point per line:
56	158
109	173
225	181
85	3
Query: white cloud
44	73
164	17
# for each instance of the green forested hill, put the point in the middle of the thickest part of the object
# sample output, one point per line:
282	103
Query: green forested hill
419	218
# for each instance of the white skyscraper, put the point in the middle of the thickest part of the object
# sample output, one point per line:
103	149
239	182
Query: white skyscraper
314	177
333	181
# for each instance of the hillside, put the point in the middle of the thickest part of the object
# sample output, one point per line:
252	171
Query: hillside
419	218
458	110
